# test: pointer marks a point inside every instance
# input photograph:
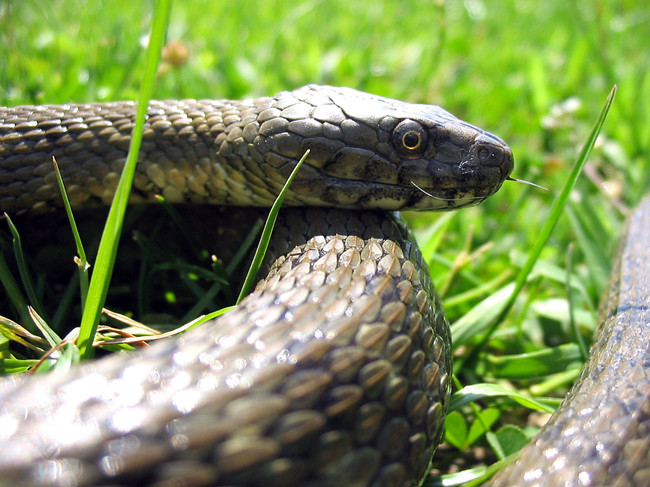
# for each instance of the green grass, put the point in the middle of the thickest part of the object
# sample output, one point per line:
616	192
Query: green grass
109	244
535	73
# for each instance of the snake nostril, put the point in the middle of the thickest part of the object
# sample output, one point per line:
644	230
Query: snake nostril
490	155
483	153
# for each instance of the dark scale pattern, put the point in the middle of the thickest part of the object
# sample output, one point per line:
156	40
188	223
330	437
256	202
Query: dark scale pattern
241	152
335	371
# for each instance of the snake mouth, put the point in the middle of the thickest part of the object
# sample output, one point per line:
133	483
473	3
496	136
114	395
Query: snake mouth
432	198
418	184
409	195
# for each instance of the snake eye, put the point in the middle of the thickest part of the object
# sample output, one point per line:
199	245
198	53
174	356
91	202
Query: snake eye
410	139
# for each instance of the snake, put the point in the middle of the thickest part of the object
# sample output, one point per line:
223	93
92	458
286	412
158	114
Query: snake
600	434
337	368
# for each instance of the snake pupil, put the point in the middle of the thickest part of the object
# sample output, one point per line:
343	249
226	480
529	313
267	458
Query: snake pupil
411	140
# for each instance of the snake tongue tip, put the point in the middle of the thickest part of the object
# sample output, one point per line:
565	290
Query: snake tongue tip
523	181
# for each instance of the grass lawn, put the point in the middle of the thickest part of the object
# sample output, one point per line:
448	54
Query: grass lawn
534	73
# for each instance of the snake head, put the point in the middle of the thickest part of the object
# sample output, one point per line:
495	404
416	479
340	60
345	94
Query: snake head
368	151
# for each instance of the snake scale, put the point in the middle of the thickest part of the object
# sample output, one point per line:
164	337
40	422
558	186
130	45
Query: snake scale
336	369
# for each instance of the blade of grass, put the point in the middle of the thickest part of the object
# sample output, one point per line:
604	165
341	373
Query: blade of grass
560	380
23	271
588	232
556	211
474	293
476	392
81	260
64	304
573	325
11	327
47	332
203	301
266	233
479	317
10	330
109	242
13	290
535	364
454	479
244	248
432	236
15	366
202	319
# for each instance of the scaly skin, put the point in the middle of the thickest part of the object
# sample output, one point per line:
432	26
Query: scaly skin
334	371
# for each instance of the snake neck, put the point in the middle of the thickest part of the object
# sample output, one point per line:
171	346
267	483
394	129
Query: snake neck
192	151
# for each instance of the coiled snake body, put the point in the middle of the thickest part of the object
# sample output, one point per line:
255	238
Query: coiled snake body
334	371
